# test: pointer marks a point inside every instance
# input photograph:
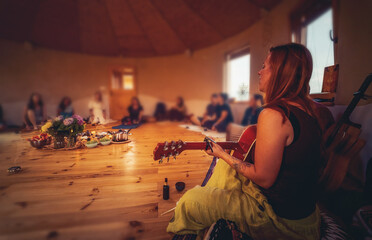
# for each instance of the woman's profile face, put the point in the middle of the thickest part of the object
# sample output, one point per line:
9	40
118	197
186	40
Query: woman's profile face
265	74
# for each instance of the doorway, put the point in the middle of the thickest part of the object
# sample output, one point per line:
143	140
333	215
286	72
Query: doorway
123	87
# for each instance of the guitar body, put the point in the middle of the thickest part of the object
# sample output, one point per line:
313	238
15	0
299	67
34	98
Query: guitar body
342	143
343	148
247	142
243	149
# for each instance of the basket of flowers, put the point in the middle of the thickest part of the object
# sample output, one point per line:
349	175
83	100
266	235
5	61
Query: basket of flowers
64	130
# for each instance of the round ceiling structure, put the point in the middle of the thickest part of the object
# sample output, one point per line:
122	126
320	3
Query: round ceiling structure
129	28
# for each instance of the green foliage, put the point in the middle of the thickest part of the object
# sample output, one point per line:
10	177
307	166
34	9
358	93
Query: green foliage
72	128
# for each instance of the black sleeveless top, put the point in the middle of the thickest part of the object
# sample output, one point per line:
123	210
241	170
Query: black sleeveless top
293	195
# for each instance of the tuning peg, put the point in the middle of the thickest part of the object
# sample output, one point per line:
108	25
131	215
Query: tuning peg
166	146
170	155
162	158
173	145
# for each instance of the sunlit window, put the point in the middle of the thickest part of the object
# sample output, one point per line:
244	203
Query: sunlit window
238	73
128	82
123	79
316	35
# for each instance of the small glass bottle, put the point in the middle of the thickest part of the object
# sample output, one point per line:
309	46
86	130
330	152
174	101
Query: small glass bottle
166	190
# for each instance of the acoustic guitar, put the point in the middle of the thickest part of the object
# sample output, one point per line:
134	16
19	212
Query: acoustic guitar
243	149
342	143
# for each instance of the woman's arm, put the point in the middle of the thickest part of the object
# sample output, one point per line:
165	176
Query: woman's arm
272	137
213	117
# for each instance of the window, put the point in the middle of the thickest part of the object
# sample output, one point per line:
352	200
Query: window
238	74
321	47
128	81
123	79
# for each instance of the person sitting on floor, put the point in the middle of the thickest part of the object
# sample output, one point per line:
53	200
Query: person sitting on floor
65	108
253	110
222	117
209	113
160	113
274	196
97	113
179	111
135	111
251	114
34	113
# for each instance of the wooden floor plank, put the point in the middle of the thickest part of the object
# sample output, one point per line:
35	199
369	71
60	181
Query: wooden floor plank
109	192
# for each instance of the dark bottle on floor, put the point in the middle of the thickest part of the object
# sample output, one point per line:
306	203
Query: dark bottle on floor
166	190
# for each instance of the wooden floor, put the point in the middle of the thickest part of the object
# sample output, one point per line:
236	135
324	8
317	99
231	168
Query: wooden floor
109	192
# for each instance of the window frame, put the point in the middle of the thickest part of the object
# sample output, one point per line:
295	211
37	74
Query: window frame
244	50
308	11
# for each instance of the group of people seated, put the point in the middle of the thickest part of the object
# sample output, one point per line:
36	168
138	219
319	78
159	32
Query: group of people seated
35	114
218	115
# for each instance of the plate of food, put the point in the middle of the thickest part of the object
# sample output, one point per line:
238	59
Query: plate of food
121	142
105	140
40	141
92	143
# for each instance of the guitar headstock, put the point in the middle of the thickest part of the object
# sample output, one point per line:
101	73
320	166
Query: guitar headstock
168	150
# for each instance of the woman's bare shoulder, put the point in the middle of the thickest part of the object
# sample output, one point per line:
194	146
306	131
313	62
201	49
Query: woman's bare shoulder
272	120
270	114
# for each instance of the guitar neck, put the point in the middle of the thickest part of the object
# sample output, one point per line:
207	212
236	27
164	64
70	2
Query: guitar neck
203	145
350	108
175	148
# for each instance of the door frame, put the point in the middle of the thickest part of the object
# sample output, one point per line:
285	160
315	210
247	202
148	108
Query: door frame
118	67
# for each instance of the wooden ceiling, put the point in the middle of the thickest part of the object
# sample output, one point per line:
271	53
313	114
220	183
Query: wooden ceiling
128	28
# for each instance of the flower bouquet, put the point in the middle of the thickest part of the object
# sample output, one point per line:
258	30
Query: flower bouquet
61	128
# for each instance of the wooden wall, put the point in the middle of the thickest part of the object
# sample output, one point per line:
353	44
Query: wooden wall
194	76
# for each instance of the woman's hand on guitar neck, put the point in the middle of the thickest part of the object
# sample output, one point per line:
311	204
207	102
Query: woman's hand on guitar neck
217	150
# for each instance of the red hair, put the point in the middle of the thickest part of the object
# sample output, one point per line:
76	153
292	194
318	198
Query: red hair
291	68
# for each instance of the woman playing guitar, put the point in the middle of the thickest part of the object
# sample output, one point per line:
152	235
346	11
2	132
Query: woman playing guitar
273	196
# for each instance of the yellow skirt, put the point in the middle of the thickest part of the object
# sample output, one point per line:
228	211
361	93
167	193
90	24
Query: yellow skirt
230	196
